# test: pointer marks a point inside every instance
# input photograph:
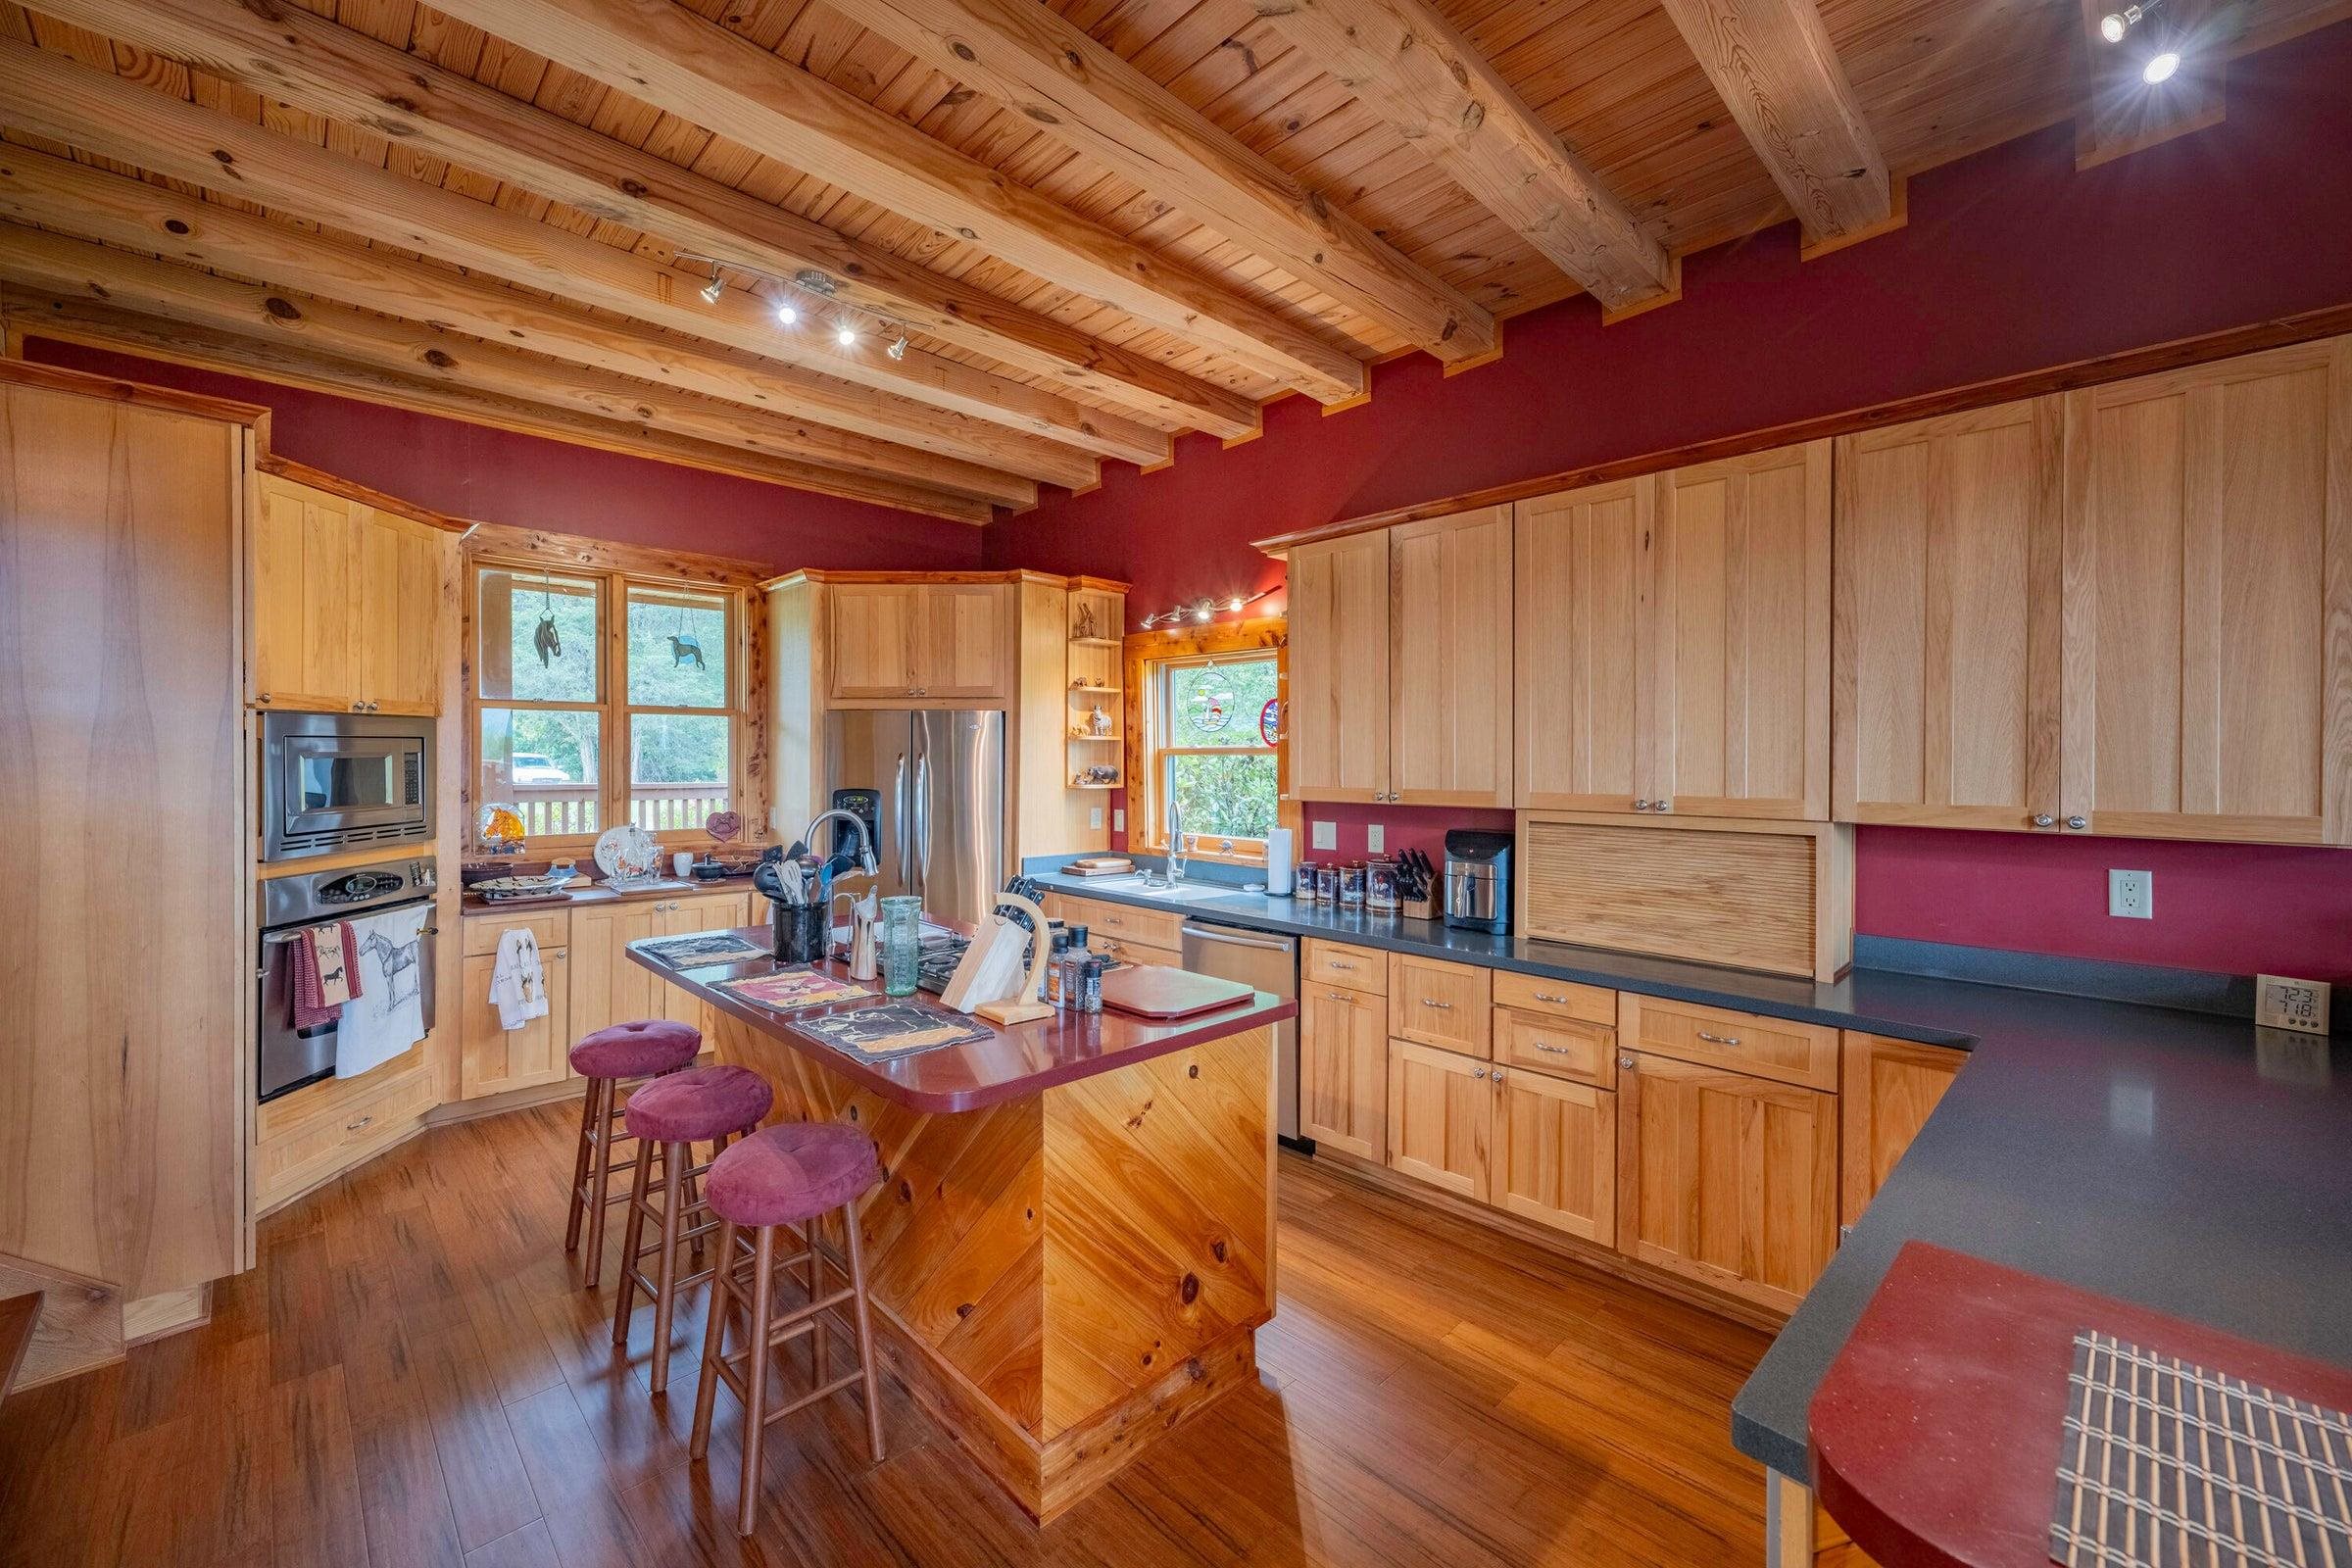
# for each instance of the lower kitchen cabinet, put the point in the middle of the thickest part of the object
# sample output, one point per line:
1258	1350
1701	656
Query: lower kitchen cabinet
1723	1178
1441	1117
1889	1086
607	988
1553	1155
494	1059
323	1129
1344	1069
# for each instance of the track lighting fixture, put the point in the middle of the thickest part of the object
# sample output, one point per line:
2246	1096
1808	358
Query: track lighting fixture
898	347
846	335
1202	610
715	287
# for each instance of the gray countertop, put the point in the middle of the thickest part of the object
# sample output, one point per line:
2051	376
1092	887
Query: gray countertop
2166	1159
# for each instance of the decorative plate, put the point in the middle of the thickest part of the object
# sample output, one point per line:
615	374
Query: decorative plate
626	851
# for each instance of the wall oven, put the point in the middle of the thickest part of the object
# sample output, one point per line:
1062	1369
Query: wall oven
344	781
287	1056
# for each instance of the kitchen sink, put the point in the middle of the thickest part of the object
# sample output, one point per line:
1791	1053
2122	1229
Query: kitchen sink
1181	892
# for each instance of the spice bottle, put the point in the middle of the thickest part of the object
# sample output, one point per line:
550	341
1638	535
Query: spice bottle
1090	975
1059	950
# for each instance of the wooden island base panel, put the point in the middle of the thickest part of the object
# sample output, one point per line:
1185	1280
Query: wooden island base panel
1066	1273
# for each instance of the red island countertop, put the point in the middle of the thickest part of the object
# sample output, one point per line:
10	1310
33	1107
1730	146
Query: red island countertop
1014	1061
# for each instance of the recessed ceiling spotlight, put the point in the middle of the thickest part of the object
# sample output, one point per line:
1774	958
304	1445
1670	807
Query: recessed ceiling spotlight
787	313
2160	66
846	335
897	349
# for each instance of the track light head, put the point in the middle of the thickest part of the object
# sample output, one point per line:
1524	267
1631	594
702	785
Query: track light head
846	335
787	313
2112	27
712	290
897	349
2160	66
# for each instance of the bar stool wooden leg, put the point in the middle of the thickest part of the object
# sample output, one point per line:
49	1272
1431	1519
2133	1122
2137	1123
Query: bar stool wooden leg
694	1190
819	1362
677	1161
865	1336
632	1240
755	1379
600	1182
579	1171
722	1291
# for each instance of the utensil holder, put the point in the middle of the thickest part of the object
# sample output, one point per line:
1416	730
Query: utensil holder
800	933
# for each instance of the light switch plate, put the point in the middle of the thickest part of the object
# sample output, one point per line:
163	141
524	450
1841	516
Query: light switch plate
2131	895
1094	817
1376	837
2282	1002
1323	835
1118	819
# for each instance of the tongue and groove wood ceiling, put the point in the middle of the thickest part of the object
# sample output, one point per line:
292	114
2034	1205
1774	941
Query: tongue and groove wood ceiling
1087	224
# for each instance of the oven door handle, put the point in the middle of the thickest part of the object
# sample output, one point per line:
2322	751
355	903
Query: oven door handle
272	939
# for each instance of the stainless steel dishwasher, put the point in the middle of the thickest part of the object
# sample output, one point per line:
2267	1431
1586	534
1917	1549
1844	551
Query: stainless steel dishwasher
1267	962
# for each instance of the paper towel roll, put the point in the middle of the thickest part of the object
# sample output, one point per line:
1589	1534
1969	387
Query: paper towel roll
1278	863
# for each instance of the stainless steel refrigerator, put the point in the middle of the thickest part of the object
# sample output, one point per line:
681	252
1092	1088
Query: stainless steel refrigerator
934	783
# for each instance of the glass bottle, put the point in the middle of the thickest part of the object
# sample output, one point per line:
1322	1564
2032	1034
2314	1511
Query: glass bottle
1060	950
901	943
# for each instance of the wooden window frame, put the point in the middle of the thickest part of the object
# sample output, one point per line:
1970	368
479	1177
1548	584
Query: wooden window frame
1146	656
615	710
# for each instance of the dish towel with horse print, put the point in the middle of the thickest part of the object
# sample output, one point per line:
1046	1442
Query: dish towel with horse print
323	976
385	1015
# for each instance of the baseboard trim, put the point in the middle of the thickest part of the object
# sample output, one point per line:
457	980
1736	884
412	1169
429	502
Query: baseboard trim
456	1110
1584	1255
167	1312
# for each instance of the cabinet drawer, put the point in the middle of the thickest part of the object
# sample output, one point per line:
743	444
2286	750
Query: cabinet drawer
317	1103
551	929
1564	999
1440	1004
1331	963
1128	952
1161	928
1563	1048
297	1160
1715	1037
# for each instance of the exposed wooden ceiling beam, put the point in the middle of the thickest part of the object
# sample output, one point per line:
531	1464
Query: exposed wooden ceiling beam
75	198
47	93
302	59
1086	97
1407	64
2120	112
668	56
1772	62
57	264
80	321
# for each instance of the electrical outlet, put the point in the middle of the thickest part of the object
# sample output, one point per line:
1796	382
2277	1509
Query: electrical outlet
1118	819
1323	835
2131	895
1376	839
1094	817
2282	1002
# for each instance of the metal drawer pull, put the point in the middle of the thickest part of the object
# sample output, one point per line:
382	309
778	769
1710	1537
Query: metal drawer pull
1554	1050
1550	996
1339	963
1718	1040
355	1126
1443	1007
1339	996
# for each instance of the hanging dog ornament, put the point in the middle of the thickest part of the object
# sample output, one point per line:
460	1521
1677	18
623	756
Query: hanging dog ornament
684	647
546	639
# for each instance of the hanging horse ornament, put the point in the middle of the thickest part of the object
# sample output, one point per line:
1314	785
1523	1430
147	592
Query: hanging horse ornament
546	639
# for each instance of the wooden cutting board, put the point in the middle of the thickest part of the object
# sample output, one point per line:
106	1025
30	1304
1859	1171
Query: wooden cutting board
1156	991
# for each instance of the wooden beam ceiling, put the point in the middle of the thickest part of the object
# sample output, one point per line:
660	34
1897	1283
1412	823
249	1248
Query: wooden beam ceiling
47	94
665	55
74	198
58	266
1773	63
1403	60
1049	70
299	58
74	320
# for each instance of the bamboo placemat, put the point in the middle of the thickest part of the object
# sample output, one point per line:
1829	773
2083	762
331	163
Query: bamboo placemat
2167	1464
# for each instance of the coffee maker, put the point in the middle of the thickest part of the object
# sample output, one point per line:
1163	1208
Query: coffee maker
1477	880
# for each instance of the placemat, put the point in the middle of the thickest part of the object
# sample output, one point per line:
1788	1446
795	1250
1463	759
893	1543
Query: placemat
701	947
2166	1464
790	987
895	1028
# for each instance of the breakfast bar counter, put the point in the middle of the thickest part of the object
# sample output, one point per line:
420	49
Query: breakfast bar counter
1072	1244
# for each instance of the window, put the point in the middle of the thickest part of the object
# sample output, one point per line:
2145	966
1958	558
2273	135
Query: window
1205	721
557	692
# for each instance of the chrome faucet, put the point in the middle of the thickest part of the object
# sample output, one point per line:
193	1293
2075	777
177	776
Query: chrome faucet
864	862
1175	841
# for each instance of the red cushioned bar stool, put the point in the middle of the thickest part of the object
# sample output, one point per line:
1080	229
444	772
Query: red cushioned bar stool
624	1053
792	1175
668	1117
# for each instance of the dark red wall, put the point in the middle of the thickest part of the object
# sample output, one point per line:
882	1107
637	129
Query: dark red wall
487	475
2011	262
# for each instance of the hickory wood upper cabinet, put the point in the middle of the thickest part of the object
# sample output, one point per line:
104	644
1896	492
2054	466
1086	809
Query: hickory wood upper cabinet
346	604
921	642
2207	601
1450	660
1946	693
1673	642
1338	689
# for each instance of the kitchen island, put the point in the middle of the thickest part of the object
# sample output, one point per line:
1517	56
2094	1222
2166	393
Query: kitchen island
1072	1246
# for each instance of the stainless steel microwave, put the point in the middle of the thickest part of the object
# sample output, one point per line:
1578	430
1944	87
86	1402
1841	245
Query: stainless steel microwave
344	781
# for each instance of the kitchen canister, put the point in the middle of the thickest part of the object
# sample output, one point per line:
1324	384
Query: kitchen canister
1351	884
1380	887
1327	882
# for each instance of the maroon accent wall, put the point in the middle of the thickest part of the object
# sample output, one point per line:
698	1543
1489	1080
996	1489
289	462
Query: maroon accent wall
2012	261
490	475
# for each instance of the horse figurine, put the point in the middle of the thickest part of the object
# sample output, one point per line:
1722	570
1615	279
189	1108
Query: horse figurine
399	959
683	648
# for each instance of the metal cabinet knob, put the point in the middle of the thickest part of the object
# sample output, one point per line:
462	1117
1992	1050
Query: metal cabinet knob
2077	823
2044	819
1498	1075
1479	1072
1641	805
1661	805
1625	1063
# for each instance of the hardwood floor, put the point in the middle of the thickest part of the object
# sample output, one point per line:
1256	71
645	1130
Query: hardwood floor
411	1377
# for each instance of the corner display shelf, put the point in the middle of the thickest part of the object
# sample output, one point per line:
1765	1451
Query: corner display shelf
1096	674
